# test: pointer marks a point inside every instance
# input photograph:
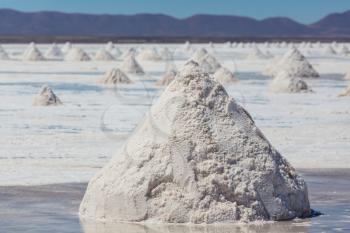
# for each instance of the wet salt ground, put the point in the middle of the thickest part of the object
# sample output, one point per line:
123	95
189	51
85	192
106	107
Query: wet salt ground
54	208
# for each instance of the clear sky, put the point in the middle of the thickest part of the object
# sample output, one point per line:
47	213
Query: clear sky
305	11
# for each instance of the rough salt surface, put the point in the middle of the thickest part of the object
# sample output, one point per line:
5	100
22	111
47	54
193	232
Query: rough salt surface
196	158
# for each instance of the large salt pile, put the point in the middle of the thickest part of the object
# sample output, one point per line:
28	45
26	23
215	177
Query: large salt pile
284	83
130	65
46	97
32	54
293	64
77	54
224	76
115	76
129	52
103	55
149	54
197	157
256	54
66	47
54	52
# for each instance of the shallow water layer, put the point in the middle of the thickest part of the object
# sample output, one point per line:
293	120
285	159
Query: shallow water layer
54	208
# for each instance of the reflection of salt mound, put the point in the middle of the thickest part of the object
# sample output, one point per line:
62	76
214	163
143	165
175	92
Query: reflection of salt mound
149	55
77	54
293	64
346	93
283	83
66	47
198	157
256	54
130	65
33	54
224	76
46	97
116	52
114	77
103	55
129	52
54	52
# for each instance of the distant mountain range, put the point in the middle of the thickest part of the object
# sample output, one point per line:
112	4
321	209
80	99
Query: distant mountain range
15	23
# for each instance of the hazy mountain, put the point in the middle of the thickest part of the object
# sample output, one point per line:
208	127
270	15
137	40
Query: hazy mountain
64	24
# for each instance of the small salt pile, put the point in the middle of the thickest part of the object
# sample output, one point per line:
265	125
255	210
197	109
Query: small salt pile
344	51
66	47
166	54
347	76
129	52
329	50
54	52
130	65
103	55
284	83
169	75
109	46
199	54
115	76
3	54
256	54
46	97
77	54
149	54
32	54
197	157
206	61
345	93
293	64
224	76
116	52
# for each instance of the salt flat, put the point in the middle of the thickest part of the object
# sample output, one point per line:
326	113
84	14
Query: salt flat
69	143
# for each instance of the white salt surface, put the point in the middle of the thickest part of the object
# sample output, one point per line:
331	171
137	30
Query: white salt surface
70	143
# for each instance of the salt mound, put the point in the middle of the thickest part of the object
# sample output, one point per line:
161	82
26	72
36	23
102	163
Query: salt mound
346	93
199	54
66	47
149	55
115	76
54	52
256	54
329	50
224	76
109	46
103	55
33	54
284	83
77	54
347	76
206	61
344	51
3	54
130	65
169	75
166	54
293	64
197	157
46	97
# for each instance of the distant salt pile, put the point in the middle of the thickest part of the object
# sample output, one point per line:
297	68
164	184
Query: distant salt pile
66	47
130	65
206	61
228	44
129	52
284	83
168	77
207	162
345	93
256	54
54	52
115	76
149	54
329	50
3	54
103	55
46	97
166	54
293	64
109	46
224	76
77	54
32	54
347	76
116	53
187	47
344	51
199	54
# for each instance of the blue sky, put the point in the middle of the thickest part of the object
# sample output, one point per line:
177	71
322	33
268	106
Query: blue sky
301	10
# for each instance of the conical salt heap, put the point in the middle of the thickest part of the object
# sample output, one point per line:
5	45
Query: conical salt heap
347	76
149	55
256	54
329	50
66	47
345	51
46	97
169	75
130	65
196	158
293	64
3	54
283	83
77	54
115	76
224	76
103	55
346	92
166	54
206	61
54	52
32	54
109	46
